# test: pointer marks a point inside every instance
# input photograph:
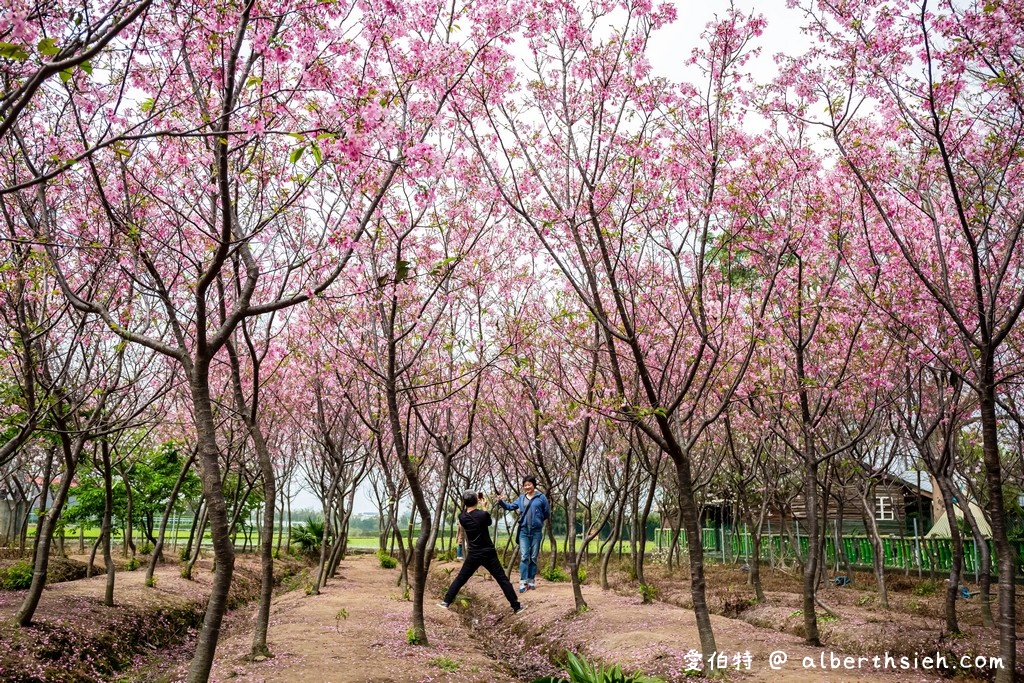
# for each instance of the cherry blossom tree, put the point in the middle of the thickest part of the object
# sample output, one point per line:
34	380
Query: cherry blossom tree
924	108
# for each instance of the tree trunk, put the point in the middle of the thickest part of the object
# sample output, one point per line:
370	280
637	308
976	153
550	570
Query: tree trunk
158	547
997	511
129	541
44	497
984	567
47	524
953	585
108	512
223	552
92	555
642	526
811	566
193	556
867	498
691	524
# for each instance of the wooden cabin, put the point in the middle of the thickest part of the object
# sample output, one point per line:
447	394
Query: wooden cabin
897	503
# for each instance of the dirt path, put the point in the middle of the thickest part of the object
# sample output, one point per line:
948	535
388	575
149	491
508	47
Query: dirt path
355	631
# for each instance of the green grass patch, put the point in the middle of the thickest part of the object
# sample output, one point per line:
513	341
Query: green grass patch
445	664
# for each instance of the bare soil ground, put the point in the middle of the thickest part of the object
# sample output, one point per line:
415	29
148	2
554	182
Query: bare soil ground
356	629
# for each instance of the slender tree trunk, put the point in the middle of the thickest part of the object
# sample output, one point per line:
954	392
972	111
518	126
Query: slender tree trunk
984	560
328	508
953	585
108	512
878	559
158	548
691	524
129	541
44	497
223	552
755	561
811	566
193	556
196	516
997	511
642	526
48	522
92	554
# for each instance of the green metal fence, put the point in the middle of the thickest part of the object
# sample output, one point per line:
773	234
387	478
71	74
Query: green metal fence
913	553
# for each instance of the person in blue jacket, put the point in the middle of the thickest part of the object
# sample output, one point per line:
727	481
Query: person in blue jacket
533	509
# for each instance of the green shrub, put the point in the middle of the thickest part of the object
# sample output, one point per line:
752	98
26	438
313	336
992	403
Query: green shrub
924	588
183	554
133	564
648	592
386	561
17	577
309	535
145	548
581	574
555	574
445	664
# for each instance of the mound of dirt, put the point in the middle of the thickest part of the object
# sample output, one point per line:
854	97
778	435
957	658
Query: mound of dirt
58	570
75	638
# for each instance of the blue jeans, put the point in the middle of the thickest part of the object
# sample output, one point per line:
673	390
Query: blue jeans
529	550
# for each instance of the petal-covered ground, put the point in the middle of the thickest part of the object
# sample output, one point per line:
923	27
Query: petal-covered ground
355	630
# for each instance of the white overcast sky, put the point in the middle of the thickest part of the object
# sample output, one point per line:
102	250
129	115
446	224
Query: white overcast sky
671	46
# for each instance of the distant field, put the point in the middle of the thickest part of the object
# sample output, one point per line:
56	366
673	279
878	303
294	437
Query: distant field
361	541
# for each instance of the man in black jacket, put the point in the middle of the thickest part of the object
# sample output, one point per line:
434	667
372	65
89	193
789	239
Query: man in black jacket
480	551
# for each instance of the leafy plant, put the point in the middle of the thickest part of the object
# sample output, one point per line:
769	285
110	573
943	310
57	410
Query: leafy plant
412	637
17	577
582	671
648	592
133	563
386	561
445	664
145	548
151	582
309	535
555	574
925	588
581	574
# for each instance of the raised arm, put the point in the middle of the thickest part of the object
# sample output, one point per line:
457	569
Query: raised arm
508	506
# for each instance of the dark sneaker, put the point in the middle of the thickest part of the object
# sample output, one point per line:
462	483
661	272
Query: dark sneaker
531	587
443	605
519	609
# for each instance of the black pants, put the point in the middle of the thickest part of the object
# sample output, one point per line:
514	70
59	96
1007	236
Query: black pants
492	564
